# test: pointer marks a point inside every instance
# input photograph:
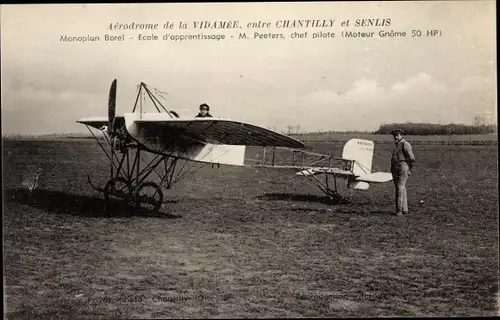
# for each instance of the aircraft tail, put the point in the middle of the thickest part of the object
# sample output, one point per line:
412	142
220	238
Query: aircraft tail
361	151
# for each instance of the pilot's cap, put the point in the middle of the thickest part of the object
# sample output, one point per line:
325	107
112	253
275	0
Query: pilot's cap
395	132
204	107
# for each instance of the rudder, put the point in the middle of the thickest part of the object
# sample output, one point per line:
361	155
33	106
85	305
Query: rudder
361	151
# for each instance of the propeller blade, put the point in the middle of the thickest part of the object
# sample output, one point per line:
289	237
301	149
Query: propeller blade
112	106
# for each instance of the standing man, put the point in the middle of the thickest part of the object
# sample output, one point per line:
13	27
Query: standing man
401	165
204	111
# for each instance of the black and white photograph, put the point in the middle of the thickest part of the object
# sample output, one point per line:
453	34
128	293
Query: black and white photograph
250	160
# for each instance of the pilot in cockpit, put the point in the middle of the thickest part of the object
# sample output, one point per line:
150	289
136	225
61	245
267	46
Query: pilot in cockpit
204	111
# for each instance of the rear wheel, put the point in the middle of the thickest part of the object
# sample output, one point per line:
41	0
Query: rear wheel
148	197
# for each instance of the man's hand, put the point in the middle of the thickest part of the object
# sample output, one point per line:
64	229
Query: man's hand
409	173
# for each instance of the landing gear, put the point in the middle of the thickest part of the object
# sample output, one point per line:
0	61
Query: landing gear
131	186
146	198
136	176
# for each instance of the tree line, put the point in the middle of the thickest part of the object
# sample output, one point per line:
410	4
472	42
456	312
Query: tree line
425	129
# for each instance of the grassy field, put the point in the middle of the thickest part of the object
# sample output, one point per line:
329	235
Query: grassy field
246	242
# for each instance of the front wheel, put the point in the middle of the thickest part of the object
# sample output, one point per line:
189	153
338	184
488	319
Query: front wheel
117	189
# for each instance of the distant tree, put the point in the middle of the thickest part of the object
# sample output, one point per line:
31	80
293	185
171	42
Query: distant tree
424	129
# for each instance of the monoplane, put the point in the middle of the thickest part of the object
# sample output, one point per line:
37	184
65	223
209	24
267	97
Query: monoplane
151	151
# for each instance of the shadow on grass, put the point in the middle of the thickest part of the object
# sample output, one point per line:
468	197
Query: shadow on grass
351	210
60	202
301	198
342	206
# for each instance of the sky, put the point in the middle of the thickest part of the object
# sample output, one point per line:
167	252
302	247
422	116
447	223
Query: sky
317	84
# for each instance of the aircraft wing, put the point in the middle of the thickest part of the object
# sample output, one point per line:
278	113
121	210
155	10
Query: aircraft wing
96	122
216	131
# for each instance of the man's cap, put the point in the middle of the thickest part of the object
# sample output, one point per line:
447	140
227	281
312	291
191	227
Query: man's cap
397	131
204	106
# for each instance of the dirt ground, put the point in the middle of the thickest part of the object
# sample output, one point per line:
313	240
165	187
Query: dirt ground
247	242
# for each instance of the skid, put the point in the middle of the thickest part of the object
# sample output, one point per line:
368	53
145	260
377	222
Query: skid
328	187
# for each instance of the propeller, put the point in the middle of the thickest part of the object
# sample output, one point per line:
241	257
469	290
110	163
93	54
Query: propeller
111	120
112	107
